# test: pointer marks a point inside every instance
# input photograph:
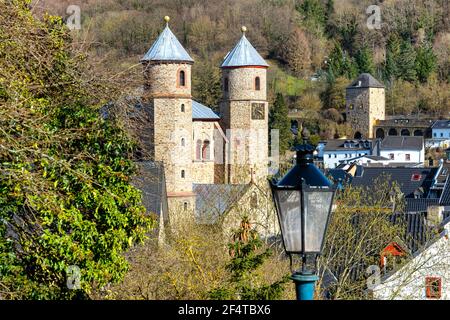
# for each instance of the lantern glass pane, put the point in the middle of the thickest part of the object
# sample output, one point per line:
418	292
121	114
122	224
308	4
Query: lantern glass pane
290	219
317	209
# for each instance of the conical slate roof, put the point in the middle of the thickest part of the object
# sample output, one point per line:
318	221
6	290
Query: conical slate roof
243	54
167	48
365	80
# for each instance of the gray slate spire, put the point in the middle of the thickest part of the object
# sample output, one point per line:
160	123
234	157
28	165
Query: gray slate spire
167	48
243	54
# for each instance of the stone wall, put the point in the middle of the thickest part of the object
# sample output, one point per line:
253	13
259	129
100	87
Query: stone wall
241	83
364	106
248	135
162	79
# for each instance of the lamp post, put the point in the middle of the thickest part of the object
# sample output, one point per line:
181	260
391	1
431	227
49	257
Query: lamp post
303	200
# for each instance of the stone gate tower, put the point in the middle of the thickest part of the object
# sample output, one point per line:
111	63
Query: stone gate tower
167	95
365	104
244	111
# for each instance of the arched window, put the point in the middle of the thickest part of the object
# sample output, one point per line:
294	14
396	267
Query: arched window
182	78
225	84
185	205
205	150
257	84
182	107
183	174
198	150
183	142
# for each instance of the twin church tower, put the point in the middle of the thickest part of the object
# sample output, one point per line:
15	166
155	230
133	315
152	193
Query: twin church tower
196	145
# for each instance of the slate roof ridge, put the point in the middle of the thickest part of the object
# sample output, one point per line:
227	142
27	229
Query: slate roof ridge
365	80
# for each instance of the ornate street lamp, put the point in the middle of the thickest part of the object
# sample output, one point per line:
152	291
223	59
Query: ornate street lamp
303	200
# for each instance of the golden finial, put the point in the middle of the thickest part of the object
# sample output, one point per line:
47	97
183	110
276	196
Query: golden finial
244	29
167	19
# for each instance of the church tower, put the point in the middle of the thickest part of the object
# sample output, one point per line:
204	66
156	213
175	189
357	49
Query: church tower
244	110
365	104
167	95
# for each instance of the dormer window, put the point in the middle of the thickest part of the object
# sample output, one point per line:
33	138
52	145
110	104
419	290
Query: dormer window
433	287
182	78
257	84
416	177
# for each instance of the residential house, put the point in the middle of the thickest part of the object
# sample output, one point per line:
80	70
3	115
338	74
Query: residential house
402	149
339	150
440	134
425	277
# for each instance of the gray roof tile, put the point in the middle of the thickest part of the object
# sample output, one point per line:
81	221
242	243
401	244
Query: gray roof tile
399	142
167	48
202	112
243	54
365	80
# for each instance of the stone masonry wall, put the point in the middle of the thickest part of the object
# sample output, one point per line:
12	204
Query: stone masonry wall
364	106
248	137
163	79
203	170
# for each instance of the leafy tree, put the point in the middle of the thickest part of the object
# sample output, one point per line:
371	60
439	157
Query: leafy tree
426	62
206	82
314	14
247	255
406	63
279	120
334	94
341	64
296	52
391	70
364	61
65	192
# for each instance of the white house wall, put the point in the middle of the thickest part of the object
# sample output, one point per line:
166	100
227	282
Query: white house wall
408	283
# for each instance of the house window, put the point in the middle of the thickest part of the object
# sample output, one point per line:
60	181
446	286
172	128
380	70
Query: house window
225	84
198	150
182	78
183	142
433	287
335	155
416	177
182	108
183	174
407	157
185	205
351	107
257	84
329	156
391	156
205	150
442	134
434	134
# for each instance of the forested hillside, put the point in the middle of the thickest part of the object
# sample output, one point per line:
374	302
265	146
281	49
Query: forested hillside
302	39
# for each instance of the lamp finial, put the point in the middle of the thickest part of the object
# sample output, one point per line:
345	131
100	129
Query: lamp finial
244	29
167	19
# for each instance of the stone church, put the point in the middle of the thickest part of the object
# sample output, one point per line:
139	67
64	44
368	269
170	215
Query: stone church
210	161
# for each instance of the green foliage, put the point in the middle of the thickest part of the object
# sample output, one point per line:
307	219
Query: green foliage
279	120
206	82
247	255
65	192
341	64
406	64
314	14
425	62
364	61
